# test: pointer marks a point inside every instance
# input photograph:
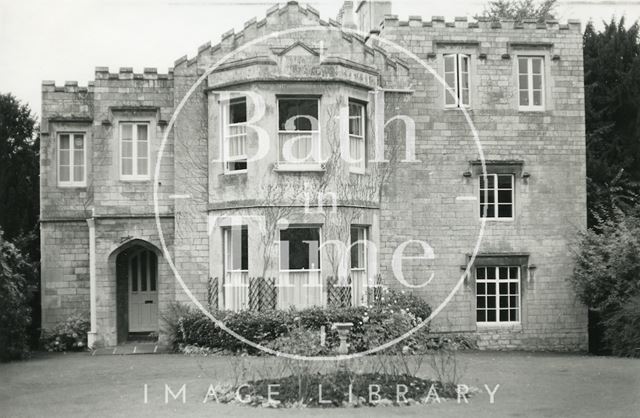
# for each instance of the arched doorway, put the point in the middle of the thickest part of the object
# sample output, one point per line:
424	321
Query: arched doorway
137	288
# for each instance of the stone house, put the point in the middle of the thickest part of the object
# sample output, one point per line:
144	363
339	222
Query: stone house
447	156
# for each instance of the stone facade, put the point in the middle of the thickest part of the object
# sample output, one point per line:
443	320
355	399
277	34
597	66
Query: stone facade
394	70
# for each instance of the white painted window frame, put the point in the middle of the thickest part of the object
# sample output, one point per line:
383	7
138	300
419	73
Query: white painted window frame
227	248
72	182
135	176
531	107
224	136
313	226
359	168
496	202
458	57
305	166
497	281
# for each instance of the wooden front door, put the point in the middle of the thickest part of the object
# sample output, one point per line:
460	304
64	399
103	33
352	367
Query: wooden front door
142	270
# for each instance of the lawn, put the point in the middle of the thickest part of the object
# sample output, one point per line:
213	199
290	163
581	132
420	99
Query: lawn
542	385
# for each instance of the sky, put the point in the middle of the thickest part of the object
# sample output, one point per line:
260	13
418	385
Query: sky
66	39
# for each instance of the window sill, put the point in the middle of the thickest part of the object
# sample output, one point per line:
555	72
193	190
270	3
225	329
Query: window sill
502	326
72	186
135	180
235	172
498	220
299	167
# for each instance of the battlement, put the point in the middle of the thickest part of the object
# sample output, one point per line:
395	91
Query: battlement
68	87
391	21
127	73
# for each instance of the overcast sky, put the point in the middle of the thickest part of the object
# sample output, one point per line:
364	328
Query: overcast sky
66	39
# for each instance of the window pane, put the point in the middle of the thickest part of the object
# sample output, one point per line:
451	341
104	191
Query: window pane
127	131
78	157
513	315
524	98
64	157
465	97
301	247
537	65
298	114
537	82
142	132
504	315
143	166
78	173
480	273
503	274
127	149
64	142
142	149
133	265
481	316
64	173
491	302
143	271
513	288
491	275
355	119
523	66
78	141
238	110
127	166
357	247
481	302
449	63
481	289
504	196
513	272
537	98
505	181
491	316
524	82
153	264
505	211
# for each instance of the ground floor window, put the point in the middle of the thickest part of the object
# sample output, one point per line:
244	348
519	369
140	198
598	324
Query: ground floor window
236	249
498	294
300	249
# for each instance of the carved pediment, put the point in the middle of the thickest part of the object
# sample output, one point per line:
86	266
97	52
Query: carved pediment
297	49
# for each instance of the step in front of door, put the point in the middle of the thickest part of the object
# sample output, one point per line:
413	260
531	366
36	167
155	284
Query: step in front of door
130	349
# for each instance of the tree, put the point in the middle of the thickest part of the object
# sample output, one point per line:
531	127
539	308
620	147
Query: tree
520	10
612	106
15	313
19	174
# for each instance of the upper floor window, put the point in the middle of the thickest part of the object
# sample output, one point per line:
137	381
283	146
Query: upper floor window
497	294
457	76
234	134
134	151
72	159
496	196
531	83
357	150
298	130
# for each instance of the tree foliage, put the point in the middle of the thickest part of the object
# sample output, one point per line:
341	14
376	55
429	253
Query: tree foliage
520	10
19	174
14	308
612	106
607	270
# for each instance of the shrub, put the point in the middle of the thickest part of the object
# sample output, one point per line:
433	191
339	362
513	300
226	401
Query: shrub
69	335
622	332
607	279
372	326
15	314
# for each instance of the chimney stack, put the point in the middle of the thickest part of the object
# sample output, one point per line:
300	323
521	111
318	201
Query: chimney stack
370	13
346	16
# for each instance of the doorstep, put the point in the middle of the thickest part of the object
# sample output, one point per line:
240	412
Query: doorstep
132	348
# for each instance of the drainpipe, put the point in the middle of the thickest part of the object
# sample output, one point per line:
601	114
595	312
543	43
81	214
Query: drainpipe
92	334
